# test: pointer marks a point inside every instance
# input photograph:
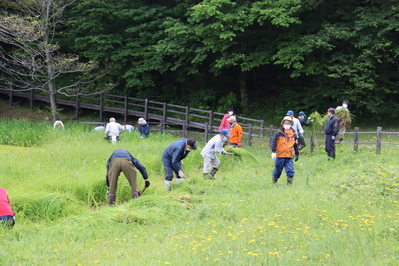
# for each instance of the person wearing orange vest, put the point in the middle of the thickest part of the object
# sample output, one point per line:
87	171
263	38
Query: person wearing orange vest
235	132
284	148
7	215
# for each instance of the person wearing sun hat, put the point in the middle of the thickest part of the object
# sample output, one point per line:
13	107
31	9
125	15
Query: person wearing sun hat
144	127
172	159
214	145
331	130
284	148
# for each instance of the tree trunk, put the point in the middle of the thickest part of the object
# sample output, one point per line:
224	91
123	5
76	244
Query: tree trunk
244	91
50	72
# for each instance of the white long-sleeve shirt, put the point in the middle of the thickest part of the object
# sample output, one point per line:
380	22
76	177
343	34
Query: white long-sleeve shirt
113	129
214	145
297	126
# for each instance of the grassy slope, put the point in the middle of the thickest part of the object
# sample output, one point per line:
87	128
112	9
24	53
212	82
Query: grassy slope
342	212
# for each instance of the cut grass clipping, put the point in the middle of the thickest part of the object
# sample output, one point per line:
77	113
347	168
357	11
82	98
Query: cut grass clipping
241	154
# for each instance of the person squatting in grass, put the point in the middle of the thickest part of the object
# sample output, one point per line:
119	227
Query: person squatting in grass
284	148
144	128
7	215
172	159
214	145
112	130
235	132
331	130
122	161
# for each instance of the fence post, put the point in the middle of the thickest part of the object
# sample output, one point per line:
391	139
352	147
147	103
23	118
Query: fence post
125	115
164	117
101	106
77	107
161	126
250	135
11	93
146	109
356	140
312	141
262	125
271	135
378	150
206	133
184	129
210	120
32	96
187	114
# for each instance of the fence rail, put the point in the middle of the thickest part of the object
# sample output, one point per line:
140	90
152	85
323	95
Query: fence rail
170	115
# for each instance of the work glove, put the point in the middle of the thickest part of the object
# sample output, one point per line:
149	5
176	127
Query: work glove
181	173
333	137
239	144
147	183
300	135
229	153
274	156
296	157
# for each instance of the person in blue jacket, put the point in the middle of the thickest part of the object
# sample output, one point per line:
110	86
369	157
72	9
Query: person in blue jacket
172	159
144	128
122	161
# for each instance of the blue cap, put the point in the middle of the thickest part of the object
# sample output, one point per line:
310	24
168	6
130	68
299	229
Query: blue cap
302	113
225	132
290	112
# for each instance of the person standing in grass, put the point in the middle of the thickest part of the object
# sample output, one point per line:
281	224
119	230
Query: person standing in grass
113	129
224	124
7	215
331	130
144	128
172	159
214	145
284	148
235	132
301	137
122	161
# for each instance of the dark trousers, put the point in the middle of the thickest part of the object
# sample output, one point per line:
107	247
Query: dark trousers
167	165
280	163
329	144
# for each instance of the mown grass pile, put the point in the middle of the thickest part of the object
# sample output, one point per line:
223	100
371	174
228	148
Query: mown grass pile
341	212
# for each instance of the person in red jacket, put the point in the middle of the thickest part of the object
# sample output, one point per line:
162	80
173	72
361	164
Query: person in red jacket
7	215
224	124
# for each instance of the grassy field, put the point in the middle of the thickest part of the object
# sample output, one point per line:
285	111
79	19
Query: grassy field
341	212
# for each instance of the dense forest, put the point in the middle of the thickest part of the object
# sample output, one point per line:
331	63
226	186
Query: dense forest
260	57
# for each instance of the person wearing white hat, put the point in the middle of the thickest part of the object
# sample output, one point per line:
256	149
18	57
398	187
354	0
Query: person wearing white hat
284	149
144	127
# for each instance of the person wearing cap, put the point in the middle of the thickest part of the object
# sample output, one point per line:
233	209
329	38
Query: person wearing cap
214	145
224	124
331	130
144	127
235	132
172	159
7	215
342	126
297	125
122	161
113	129
284	149
301	137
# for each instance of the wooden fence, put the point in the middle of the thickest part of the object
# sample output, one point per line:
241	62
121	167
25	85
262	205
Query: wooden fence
204	122
167	115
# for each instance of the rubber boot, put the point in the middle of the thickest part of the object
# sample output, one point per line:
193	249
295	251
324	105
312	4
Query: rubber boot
179	180
274	180
111	199
212	173
168	184
136	194
290	180
333	154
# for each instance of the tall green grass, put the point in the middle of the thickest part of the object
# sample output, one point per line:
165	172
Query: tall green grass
340	212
